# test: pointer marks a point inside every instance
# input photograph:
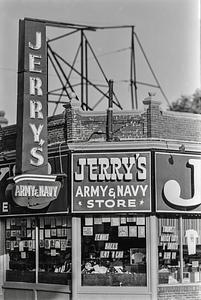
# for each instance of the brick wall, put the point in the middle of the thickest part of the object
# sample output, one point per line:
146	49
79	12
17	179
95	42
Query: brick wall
75	125
189	292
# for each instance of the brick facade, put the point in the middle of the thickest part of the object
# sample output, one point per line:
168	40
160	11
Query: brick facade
179	292
75	125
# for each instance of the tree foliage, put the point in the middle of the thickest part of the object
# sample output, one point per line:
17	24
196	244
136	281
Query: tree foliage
191	104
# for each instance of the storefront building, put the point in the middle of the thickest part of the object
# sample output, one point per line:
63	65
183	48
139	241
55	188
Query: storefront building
82	217
126	219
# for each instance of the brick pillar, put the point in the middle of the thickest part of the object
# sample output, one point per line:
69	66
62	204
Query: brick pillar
72	120
153	116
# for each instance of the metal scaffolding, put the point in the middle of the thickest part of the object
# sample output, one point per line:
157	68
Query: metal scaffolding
64	69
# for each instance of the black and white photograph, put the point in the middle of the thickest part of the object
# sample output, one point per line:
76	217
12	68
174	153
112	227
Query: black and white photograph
100	150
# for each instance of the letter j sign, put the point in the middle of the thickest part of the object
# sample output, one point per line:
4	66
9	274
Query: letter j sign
178	182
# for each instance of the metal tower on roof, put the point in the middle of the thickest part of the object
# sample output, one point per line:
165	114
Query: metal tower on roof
75	75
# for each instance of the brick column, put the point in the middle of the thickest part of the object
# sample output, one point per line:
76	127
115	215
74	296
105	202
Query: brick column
72	120
153	116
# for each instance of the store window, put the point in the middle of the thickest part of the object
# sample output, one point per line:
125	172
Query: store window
114	251
179	250
39	249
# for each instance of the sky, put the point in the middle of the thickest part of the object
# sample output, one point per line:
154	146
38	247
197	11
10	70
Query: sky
169	31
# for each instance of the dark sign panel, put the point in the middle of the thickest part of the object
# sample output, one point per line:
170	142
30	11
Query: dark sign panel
31	148
29	194
111	182
178	183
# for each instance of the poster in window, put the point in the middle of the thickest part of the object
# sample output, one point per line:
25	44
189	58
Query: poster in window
131	219
141	231
119	254
101	236
63	232
29	233
123	220
57	244
88	221
106	219
59	232
47	244
63	245
140	221
104	254
87	231
122	231
115	221
132	231
33	233
42	243
53	252
52	243
53	232
8	234
41	234
97	221
111	246
23	255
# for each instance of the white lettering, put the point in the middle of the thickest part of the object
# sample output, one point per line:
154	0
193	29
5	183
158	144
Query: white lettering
82	163
79	192
35	109
35	84
34	61
142	172
38	44
92	162
172	189
36	132
126	162
5	207
38	156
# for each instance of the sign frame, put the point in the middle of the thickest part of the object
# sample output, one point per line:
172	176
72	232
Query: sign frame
114	153
164	207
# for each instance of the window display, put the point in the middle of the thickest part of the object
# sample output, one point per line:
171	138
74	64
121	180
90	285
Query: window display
192	250
54	247
114	251
168	251
170	260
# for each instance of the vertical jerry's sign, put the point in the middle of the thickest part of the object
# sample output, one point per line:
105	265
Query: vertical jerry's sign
31	145
32	187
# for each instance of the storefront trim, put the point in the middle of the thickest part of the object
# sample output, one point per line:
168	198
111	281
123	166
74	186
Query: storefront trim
36	287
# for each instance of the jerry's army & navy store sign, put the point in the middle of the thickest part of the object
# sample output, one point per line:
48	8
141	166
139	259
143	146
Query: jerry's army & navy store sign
111	182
